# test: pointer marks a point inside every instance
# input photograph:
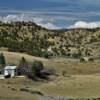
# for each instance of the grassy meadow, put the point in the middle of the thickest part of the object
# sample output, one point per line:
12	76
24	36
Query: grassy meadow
81	80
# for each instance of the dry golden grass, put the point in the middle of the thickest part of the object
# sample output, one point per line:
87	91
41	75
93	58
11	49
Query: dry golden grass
74	68
75	86
59	64
12	57
8	94
11	89
82	79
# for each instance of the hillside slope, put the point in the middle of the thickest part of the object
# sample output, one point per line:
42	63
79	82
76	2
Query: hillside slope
33	39
14	58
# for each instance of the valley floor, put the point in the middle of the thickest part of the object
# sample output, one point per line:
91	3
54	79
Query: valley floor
74	86
82	80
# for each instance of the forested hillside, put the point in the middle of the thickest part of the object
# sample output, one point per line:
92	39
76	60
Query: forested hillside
32	39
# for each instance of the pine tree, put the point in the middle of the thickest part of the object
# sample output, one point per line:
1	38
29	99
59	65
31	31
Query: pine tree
2	60
23	62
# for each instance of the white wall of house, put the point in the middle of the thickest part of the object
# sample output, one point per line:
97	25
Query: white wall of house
10	70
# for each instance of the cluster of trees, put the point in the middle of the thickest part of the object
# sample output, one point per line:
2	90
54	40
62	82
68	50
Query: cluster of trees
36	69
23	37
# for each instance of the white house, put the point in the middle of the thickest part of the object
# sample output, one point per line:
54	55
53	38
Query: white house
10	70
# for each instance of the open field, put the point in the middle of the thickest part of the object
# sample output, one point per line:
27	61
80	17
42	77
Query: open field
75	87
82	80
11	93
8	94
72	67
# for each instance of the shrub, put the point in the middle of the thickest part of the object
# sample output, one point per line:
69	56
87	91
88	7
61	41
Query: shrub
91	59
45	54
82	59
37	67
64	73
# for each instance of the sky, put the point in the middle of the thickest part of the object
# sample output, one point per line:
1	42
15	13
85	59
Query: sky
53	14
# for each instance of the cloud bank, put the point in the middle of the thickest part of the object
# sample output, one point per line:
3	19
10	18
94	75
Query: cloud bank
46	22
83	24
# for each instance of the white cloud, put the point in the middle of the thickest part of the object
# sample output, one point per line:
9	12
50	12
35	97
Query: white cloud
46	22
49	26
23	17
10	18
83	24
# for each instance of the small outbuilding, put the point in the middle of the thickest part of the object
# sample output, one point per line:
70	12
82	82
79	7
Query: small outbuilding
10	70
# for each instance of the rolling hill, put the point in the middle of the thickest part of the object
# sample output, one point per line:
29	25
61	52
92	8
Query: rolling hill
27	37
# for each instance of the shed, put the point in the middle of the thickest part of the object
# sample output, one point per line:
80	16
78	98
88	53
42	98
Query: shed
10	70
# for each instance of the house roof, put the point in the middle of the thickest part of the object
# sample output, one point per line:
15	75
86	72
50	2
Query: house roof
10	67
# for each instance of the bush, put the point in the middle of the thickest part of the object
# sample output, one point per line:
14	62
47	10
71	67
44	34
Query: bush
82	60
37	67
64	73
45	54
91	59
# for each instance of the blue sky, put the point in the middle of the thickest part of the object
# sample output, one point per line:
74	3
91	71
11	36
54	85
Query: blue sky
61	13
